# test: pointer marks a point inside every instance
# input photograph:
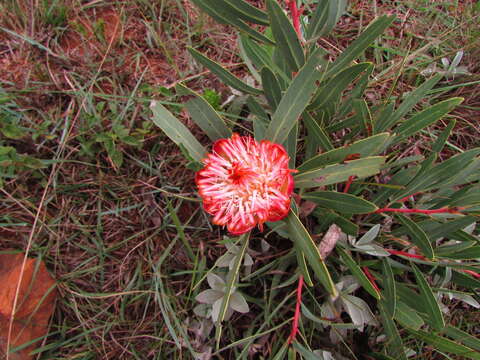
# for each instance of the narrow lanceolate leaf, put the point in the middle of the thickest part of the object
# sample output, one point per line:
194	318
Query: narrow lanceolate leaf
388	118
302	238
408	317
318	133
248	12
285	36
205	116
395	346
389	288
426	117
226	76
362	148
271	87
176	131
225	13
257	54
231	280
442	138
435	317
302	264
334	174
445	345
334	88
358	273
417	236
341	202
366	38
325	17
295	99
463	337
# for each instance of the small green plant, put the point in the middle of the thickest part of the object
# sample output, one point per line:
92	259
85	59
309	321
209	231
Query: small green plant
398	232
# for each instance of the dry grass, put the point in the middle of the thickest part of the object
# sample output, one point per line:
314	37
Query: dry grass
79	69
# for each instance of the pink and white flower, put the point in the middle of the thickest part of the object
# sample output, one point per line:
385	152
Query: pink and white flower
245	183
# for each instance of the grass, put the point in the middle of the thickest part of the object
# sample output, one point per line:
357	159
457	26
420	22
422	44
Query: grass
100	195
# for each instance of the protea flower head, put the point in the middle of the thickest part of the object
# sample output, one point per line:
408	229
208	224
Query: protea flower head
245	183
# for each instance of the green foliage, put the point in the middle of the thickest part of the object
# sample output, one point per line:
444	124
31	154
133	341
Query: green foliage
307	102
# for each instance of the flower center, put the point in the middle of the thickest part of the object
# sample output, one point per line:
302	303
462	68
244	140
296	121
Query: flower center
240	175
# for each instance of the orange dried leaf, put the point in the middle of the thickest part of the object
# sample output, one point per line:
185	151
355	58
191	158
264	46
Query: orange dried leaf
35	303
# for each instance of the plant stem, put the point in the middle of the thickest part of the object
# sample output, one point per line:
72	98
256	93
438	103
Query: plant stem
296	317
292	4
348	183
403	253
453	210
371	278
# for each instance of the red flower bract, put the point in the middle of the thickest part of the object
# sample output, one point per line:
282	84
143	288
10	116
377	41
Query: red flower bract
245	183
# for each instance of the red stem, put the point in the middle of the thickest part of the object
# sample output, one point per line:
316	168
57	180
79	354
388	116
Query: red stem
403	253
471	272
348	183
420	211
292	4
371	278
296	317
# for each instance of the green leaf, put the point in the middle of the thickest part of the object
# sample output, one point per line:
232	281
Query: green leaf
285	36
225	13
205	116
463	337
230	286
358	273
444	344
357	47
343	203
395	346
248	12
271	88
317	132
417	236
442	139
334	87
426	117
363	148
226	76
333	174
325	17
408	317
300	235
435	317
389	288
176	131
295	99
388	118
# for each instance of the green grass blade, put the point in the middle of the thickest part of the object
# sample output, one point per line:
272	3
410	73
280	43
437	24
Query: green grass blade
295	99
226	76
176	131
301	236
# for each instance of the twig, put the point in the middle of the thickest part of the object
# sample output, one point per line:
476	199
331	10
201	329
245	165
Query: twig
370	277
348	183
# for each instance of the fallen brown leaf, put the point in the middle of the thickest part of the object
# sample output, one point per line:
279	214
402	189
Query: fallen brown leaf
35	303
